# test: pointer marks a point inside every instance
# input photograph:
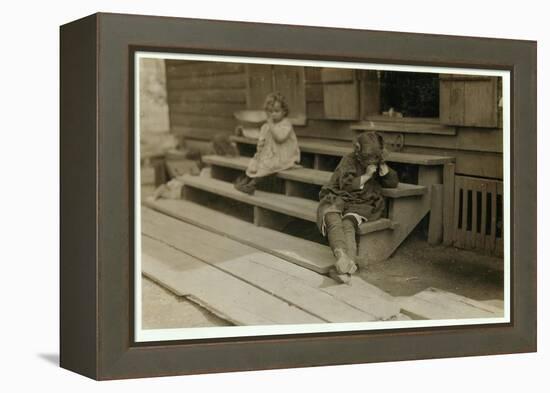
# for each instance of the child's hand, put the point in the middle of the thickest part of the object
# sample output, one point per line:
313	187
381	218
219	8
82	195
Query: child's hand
371	170
261	143
383	170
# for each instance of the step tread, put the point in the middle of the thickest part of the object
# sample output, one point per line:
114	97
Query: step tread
339	149
292	206
305	253
311	176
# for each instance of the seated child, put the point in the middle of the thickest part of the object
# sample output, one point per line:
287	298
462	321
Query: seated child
353	196
277	147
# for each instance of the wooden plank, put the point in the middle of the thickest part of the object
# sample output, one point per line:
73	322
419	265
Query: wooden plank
207	108
302	253
294	290
310	255
246	264
341	93
203	121
448	203
224	295
466	214
313	74
474	185
480	245
470	163
369	93
481	107
466	138
451	102
420	134
230	81
437	304
259	83
359	294
333	149
296	207
337	75
314	92
200	133
497	303
458	231
315	110
234	95
311	176
402	127
435	229
341	101
490	239
290	81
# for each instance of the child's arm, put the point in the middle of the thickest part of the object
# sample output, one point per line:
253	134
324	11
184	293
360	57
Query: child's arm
388	177
281	131
261	140
348	178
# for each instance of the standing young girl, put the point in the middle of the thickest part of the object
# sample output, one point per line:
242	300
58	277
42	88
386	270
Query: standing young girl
277	147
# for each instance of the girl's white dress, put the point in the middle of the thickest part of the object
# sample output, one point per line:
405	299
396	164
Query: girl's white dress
277	150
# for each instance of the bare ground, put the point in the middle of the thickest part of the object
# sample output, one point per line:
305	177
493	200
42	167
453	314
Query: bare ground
161	309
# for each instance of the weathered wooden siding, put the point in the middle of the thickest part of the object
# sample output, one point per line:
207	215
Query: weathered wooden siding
203	97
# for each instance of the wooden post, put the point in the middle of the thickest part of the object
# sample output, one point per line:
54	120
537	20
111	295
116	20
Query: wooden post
435	231
448	203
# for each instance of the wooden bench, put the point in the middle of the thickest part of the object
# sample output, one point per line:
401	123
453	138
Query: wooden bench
309	176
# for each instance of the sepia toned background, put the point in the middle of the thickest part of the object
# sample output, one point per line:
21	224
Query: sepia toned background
439	245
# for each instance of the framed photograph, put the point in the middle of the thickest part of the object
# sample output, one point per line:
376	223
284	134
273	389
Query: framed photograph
241	196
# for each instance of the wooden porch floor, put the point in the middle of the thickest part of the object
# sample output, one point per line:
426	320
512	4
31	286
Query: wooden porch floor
246	285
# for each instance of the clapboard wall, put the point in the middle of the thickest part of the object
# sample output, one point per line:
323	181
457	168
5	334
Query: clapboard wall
203	96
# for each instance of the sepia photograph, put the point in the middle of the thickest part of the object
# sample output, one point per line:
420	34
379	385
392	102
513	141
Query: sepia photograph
280	196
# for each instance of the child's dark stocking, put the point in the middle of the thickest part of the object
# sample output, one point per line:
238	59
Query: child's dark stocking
344	265
349	227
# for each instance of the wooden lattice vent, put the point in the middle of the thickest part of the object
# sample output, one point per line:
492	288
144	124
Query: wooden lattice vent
478	218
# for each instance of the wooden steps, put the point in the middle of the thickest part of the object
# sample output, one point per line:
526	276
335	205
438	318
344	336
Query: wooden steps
311	255
290	206
309	176
335	148
165	238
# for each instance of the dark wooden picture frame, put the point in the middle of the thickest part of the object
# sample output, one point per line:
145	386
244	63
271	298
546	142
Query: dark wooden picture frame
97	197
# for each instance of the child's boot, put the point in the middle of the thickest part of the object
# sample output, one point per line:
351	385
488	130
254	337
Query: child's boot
245	184
343	268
